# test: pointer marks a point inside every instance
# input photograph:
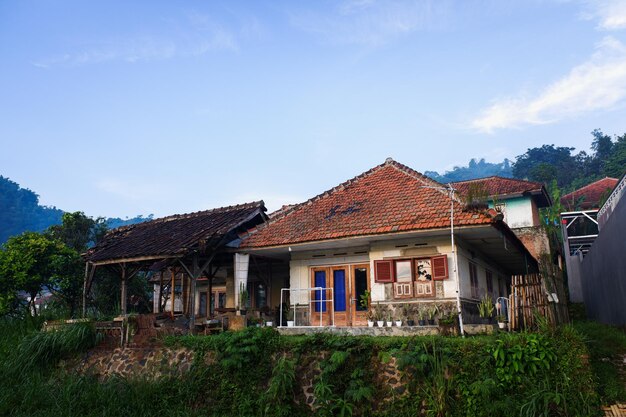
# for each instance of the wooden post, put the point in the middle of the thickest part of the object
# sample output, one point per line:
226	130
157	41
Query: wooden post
192	288
123	295
85	289
172	293
160	292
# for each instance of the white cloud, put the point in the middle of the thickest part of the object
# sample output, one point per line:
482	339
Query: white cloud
199	36
371	23
598	84
611	14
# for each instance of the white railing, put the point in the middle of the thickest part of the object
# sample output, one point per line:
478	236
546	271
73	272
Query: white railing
296	304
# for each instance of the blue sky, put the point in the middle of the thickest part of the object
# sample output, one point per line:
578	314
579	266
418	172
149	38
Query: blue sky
119	108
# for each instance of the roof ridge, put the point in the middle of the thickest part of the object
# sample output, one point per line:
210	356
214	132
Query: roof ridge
190	215
589	185
497	176
388	162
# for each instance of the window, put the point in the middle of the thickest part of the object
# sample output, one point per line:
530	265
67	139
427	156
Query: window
423	278
489	279
473	279
403	287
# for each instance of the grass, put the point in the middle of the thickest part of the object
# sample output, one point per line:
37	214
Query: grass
606	346
256	373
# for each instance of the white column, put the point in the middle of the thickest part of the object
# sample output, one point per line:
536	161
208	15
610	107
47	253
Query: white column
242	262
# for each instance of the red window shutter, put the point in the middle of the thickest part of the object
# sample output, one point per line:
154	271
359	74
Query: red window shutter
440	267
384	271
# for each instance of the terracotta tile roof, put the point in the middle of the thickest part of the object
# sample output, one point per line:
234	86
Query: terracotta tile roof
174	235
503	187
390	197
590	196
499	186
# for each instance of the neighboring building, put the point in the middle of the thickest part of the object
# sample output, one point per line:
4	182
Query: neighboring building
387	232
188	251
603	268
519	201
580	228
589	197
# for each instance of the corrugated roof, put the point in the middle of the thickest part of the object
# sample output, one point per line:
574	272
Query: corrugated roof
173	235
390	197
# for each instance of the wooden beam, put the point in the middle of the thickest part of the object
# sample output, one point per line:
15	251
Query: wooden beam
135	259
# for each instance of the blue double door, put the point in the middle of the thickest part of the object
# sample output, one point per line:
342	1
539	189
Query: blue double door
340	291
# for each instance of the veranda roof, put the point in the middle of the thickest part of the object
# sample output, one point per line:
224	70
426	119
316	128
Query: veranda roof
177	235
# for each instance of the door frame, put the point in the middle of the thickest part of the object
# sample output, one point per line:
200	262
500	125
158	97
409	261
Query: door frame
351	317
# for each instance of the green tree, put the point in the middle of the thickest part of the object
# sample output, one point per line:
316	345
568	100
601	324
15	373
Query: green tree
615	164
31	262
533	164
79	231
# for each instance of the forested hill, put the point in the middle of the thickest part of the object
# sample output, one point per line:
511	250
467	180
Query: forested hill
475	169
548	163
20	211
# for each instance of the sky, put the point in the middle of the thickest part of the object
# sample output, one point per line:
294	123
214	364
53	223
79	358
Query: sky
119	108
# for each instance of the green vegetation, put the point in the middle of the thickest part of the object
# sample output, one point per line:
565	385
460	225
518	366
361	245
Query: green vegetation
256	372
607	350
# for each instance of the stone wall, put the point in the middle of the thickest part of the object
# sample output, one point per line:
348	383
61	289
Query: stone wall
150	363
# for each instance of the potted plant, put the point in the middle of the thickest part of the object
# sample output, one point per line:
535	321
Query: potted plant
431	312
421	315
486	308
389	321
398	318
502	321
406	312
289	314
364	301
448	321
370	318
378	316
243	299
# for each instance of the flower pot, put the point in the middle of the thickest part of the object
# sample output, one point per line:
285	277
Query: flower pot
380	323
502	325
422	322
398	323
431	322
370	323
410	322
269	323
389	323
290	323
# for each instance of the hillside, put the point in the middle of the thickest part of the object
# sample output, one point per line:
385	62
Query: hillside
20	212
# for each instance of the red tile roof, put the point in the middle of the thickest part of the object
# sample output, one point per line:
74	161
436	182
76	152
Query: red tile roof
590	196
503	187
499	186
390	197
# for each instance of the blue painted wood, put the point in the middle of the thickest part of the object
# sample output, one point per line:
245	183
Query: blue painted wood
339	278
320	281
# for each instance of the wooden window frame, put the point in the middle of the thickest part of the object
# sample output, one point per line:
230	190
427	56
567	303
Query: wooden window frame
489	281
473	272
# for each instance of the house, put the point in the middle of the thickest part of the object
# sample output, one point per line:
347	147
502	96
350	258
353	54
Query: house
580	228
387	233
589	197
603	268
191	261
519	202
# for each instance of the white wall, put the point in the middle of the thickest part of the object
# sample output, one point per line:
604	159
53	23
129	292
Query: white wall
518	212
